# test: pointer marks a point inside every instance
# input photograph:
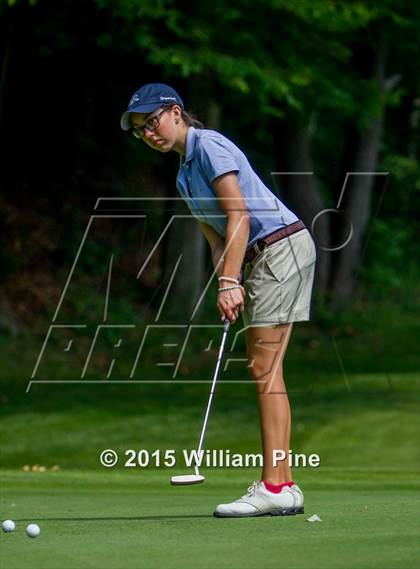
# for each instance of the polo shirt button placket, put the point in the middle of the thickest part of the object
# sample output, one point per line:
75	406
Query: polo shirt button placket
188	177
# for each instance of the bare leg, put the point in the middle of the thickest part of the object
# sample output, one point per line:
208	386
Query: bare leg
266	347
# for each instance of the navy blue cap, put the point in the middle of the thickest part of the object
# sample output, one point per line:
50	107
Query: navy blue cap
149	98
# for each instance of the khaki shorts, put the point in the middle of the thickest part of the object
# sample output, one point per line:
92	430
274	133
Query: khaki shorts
278	282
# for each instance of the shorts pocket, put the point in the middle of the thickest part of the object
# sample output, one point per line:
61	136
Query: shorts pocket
291	255
273	262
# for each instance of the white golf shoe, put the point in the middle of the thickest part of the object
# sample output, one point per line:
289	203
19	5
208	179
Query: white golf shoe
258	501
299	498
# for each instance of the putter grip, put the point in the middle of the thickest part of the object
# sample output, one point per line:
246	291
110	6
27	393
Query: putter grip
226	325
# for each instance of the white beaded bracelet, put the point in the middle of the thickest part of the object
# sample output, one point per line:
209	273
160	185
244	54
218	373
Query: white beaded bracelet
226	288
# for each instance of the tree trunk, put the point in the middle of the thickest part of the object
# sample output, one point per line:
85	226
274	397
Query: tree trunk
356	203
300	191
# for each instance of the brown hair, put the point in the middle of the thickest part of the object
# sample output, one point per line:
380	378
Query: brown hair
190	119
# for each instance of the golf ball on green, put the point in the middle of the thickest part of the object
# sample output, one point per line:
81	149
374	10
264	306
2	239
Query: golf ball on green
8	526
33	530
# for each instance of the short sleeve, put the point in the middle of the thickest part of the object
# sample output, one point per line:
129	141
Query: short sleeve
215	158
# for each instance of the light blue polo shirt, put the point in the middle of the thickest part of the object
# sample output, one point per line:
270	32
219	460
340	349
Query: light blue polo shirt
209	154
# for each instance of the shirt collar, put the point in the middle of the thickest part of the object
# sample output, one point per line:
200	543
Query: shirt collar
190	141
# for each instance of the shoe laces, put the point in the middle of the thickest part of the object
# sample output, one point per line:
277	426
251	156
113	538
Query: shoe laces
253	488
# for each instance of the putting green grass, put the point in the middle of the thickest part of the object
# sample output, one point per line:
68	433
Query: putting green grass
114	519
366	491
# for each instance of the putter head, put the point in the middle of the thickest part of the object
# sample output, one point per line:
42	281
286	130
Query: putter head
187	479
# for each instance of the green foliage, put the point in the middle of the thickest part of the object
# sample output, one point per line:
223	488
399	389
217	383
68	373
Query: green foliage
292	56
253	46
406	173
391	242
335	16
12	3
391	264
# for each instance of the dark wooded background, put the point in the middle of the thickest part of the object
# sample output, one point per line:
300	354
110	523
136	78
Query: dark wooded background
322	87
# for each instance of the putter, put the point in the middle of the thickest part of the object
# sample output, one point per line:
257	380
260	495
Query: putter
197	478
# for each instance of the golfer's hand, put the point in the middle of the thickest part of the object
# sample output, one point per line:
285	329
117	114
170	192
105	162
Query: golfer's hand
230	302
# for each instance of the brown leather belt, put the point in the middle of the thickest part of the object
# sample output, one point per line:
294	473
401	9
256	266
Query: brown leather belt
260	245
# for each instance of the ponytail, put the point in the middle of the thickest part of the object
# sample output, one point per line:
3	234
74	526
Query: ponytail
190	120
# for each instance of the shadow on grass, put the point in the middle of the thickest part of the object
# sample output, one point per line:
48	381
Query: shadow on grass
117	519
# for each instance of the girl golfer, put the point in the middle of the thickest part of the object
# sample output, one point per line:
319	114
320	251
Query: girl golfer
244	224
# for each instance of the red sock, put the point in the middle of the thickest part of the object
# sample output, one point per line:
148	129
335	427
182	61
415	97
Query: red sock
277	488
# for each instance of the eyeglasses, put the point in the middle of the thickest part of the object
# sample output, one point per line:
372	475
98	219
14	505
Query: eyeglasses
150	124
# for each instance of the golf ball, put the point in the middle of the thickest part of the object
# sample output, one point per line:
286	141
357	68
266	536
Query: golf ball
33	530
8	526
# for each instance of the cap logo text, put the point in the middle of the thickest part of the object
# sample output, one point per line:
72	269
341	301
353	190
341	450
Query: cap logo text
133	100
